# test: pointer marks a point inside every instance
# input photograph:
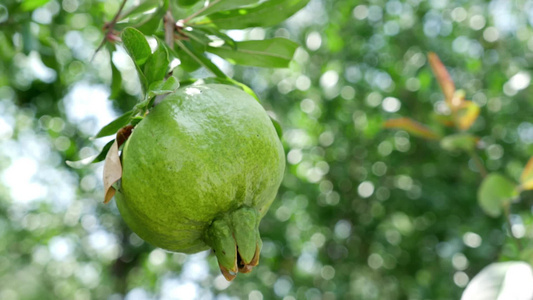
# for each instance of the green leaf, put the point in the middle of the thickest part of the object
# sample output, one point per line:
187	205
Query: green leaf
245	88
413	127
150	24
188	63
200	58
4	13
115	125
136	120
156	66
495	192
101	156
158	88
502	280
209	30
164	86
186	2
266	14
198	36
116	81
28	5
276	124
138	18
460	141
6	45
82	163
143	7
220	5
270	53
136	45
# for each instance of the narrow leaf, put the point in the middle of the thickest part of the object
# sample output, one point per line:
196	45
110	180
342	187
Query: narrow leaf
443	77
150	25
143	7
200	58
136	45
270	53
101	156
112	171
82	163
28	5
527	176
495	192
276	124
116	82
186	2
412	127
164	86
156	66
466	115
503	280
115	125
220	5
210	30
199	36
266	14
461	141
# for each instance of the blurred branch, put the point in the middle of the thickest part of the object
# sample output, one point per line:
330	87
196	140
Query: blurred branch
108	27
479	164
507	209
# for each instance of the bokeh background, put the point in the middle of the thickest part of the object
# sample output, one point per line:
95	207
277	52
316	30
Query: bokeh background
363	212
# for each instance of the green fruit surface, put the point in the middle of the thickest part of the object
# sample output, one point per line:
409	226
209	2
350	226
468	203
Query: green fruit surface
202	152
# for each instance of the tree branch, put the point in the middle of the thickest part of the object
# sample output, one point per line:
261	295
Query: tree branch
170	27
479	164
108	27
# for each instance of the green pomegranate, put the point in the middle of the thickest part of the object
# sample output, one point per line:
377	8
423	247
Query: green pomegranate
200	171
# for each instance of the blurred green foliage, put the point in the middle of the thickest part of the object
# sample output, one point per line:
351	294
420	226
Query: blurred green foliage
363	213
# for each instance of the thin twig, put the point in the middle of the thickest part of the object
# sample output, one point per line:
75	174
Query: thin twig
109	28
479	164
507	209
186	20
115	19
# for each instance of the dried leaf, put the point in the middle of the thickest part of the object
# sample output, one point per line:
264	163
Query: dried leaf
467	114
526	179
112	171
412	127
123	134
443	77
